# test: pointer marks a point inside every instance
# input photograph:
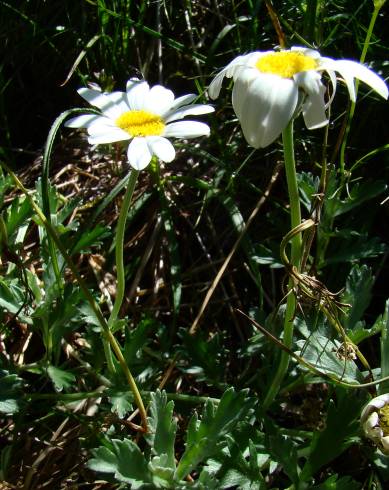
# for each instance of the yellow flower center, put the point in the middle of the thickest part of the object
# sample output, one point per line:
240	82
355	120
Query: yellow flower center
140	123
384	419
285	63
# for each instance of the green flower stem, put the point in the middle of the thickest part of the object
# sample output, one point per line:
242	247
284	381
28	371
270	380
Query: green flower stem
45	182
119	246
296	242
89	297
366	44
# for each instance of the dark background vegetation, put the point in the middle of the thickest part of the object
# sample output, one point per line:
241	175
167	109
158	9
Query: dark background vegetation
182	44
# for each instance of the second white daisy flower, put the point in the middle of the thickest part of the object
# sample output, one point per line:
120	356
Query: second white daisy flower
270	86
145	116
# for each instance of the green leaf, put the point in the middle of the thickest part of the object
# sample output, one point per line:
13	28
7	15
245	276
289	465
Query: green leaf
10	392
17	214
124	460
60	378
91	238
121	403
358	293
342	426
13	298
137	338
207	355
332	483
360	193
266	256
308	185
163	428
349	246
207	435
282	450
323	353
236	468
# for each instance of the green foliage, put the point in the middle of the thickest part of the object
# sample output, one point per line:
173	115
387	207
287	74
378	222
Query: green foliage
60	377
341	430
206	436
125	460
61	401
11	395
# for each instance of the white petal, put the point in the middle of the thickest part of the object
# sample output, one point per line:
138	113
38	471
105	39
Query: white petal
110	104
372	421
94	97
228	71
373	405
194	109
241	87
307	51
332	76
186	129
161	147
183	100
106	126
159	100
351	69
137	94
111	135
379	401
81	121
102	121
139	154
314	106
267	109
216	85
131	82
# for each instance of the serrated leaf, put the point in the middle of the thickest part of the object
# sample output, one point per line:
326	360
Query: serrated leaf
208	434
10	392
12	298
163	474
60	378
308	185
236	470
163	428
124	460
17	214
121	403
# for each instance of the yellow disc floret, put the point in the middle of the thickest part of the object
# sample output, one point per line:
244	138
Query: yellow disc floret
384	419
140	123
285	63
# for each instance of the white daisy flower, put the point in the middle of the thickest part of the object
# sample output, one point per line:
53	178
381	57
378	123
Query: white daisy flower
145	116
270	87
375	421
